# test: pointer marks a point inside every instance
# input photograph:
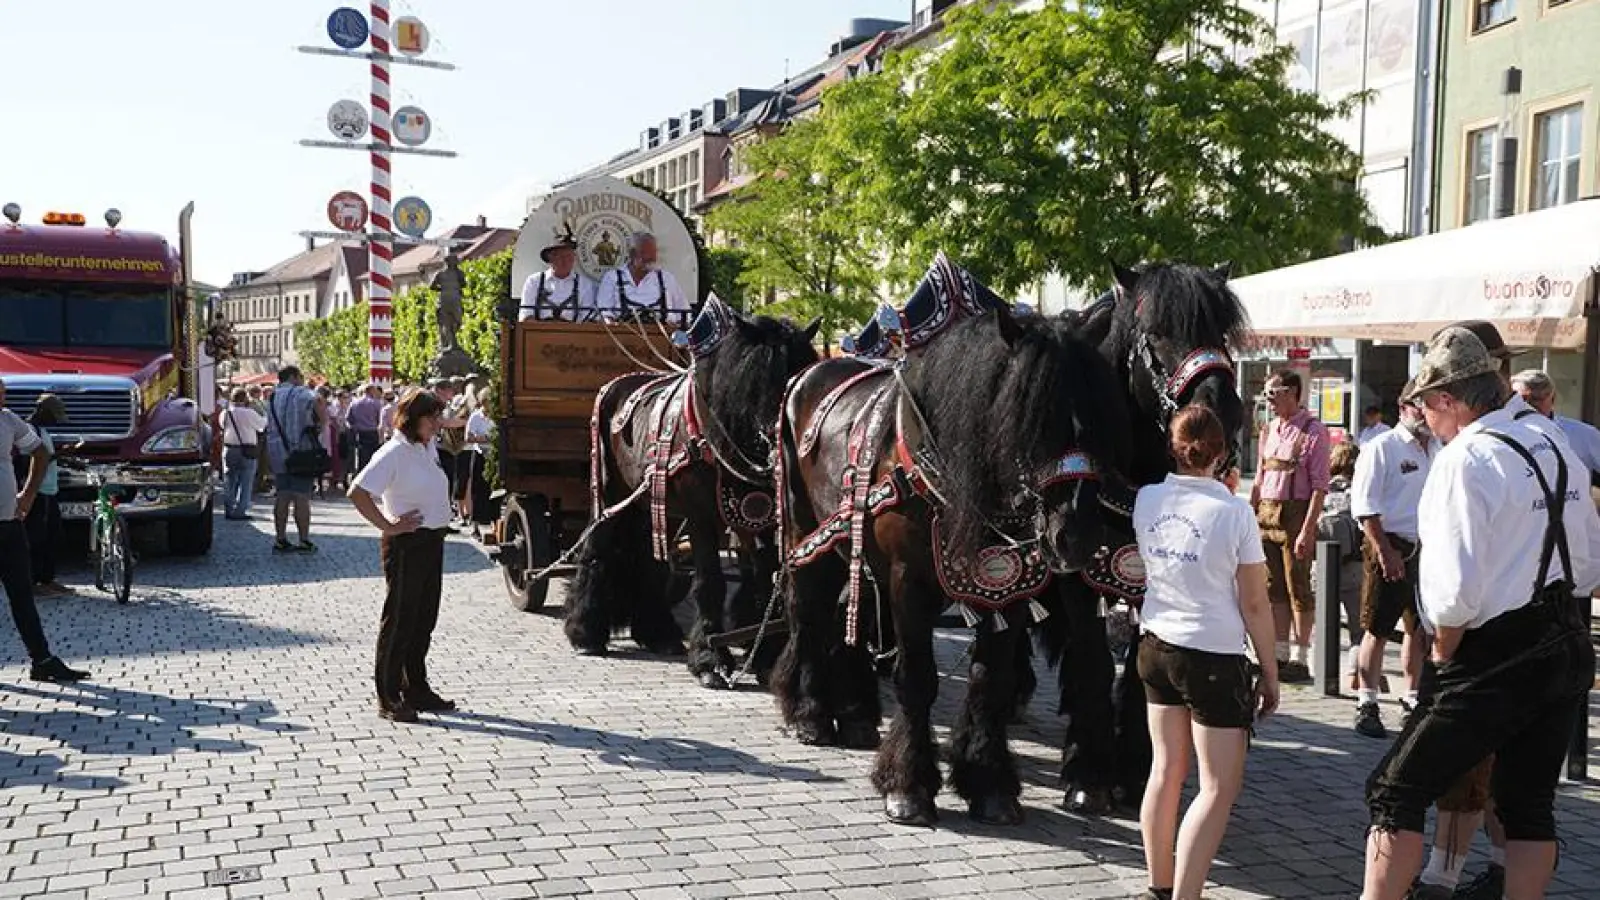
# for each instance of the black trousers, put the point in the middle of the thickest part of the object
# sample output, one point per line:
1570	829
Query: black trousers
44	534
447	460
367	444
16	576
1514	689
413	570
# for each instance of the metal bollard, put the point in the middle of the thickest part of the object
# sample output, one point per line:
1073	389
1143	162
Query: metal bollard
1578	749
1328	653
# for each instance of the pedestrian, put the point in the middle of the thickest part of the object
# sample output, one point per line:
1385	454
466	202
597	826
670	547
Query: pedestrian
363	419
386	417
1338	526
1372	425
297	459
1508	541
16	559
480	437
241	450
1538	390
44	519
404	494
1387	493
1205	602
1291	484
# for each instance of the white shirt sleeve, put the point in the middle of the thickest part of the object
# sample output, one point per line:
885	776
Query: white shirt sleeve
1366	489
675	299
478	424
1585	439
380	471
530	298
24	439
1456	528
1250	550
605	294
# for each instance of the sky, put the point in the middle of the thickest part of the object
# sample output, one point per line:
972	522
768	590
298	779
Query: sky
147	106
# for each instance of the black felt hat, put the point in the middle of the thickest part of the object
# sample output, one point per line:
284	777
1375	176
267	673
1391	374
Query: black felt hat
565	242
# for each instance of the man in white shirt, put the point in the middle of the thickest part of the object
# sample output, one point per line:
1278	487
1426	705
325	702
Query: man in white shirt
642	288
1372	426
1509	538
561	291
1538	390
1384	497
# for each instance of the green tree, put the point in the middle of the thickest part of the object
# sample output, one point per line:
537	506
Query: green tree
335	347
1052	141
727	264
801	233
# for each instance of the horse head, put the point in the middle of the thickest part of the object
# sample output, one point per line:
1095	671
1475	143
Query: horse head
1171	326
1023	414
741	365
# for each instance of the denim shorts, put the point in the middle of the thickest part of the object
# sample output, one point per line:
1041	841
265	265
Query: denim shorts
284	483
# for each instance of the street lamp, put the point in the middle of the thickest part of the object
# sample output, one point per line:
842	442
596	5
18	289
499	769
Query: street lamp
1506	194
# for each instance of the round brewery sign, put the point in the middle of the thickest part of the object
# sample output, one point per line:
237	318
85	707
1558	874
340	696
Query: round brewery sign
347	28
347	210
347	119
602	214
410	36
412	126
412	216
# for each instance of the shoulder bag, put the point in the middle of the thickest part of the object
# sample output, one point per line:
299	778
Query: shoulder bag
310	459
248	451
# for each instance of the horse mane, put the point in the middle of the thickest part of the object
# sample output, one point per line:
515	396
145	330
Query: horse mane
1183	303
999	413
743	379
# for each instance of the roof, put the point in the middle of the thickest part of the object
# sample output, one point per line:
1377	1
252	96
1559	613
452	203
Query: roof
484	241
308	265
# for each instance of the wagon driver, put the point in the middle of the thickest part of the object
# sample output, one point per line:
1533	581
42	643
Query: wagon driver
560	291
641	286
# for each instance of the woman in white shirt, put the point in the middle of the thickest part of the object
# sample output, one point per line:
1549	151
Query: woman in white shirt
1205	592
405	495
479	437
241	448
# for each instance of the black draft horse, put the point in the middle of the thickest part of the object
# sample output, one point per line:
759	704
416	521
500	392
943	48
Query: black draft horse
896	481
692	450
1167	328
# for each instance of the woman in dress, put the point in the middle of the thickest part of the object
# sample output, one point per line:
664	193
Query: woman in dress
1205	594
404	494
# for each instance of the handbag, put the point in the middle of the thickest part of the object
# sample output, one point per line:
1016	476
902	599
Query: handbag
248	451
307	461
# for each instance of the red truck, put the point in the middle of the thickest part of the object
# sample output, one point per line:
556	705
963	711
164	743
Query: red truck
104	319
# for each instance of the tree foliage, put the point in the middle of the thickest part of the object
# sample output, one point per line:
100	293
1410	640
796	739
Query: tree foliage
727	264
1044	142
802	237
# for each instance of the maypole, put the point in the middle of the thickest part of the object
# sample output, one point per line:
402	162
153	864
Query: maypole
380	319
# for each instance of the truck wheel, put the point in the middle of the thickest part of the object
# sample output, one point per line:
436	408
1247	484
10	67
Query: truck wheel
526	548
191	536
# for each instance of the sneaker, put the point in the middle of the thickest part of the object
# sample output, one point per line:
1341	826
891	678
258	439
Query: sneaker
1491	885
305	547
1369	723
282	546
53	669
1420	891
1294	673
1407	711
1156	894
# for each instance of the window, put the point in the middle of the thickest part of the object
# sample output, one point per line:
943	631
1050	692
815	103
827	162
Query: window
1558	156
1487	14
1479	201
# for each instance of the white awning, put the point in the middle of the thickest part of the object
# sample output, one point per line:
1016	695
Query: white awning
1528	274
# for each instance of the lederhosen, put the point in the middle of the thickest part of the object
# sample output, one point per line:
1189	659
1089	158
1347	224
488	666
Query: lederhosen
542	302
626	307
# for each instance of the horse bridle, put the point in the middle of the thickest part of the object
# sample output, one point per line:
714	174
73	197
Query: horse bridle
1171	387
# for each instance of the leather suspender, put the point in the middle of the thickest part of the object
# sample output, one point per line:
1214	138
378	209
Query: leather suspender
1555	503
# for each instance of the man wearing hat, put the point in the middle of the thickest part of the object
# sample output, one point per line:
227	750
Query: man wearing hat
561	291
1507	541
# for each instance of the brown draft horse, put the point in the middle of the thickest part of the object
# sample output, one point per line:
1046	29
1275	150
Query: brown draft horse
963	473
1167	328
691	450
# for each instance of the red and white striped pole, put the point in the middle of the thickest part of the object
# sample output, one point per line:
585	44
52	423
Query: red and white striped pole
380	319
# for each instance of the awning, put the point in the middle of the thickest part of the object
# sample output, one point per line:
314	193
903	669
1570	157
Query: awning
1528	274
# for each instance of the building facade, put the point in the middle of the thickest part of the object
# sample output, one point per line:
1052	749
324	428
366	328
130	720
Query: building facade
1550	107
264	307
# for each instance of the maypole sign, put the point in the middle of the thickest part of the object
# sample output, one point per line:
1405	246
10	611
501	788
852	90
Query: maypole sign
348	211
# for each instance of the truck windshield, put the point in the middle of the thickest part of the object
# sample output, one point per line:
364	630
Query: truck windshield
85	316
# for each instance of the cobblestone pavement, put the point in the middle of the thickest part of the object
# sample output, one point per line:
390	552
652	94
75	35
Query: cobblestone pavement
230	724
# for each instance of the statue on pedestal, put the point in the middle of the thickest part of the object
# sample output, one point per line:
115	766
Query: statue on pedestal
452	361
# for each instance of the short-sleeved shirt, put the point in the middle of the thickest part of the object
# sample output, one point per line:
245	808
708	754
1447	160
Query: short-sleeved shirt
291	411
1301	438
16	438
242	426
50	484
363	414
1193	536
479	425
1390	473
405	476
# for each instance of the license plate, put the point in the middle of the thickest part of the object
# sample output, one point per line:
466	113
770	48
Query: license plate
77	511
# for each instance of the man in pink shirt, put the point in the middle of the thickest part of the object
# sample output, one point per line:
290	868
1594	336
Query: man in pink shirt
1291	483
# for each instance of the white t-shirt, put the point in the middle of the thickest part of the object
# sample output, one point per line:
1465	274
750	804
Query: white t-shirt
1193	536
406	477
1390	473
242	426
479	426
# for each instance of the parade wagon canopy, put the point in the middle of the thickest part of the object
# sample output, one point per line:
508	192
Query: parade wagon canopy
1528	274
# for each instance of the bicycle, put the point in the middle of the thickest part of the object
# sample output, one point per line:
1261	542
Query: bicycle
110	550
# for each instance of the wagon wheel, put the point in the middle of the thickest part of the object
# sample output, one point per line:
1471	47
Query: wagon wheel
527	548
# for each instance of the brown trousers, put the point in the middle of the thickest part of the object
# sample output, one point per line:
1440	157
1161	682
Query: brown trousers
1288	578
413	571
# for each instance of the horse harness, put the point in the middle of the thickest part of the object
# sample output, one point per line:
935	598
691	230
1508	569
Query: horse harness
1009	570
677	438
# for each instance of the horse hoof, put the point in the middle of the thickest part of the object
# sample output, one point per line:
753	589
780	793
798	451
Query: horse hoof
677	649
713	681
995	810
589	651
910	809
1089	801
859	736
813	735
